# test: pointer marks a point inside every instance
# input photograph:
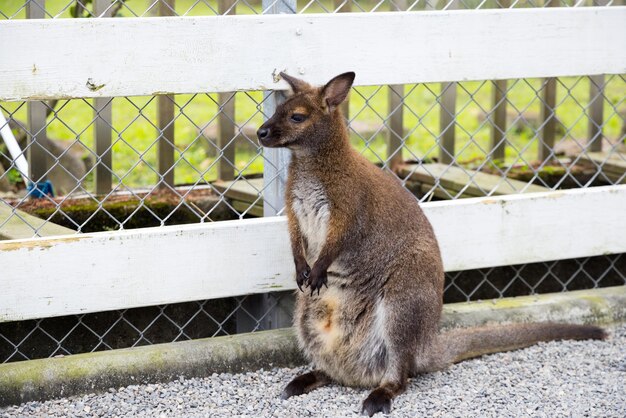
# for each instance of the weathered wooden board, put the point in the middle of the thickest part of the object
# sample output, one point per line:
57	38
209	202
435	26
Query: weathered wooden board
472	183
63	58
15	224
243	193
124	269
97	272
613	164
245	190
247	208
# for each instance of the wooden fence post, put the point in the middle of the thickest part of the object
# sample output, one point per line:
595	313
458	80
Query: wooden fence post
395	103
548	118
548	112
498	127
37	138
596	113
447	116
102	127
226	141
596	101
276	159
274	313
166	105
498	121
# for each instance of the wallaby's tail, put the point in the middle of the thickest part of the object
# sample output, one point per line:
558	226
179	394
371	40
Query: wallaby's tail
463	344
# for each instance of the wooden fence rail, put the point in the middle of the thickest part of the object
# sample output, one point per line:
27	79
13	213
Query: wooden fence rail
114	270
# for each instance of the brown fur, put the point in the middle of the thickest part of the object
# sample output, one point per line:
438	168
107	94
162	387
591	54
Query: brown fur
368	260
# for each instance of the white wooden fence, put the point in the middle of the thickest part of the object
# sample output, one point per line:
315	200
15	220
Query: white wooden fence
104	271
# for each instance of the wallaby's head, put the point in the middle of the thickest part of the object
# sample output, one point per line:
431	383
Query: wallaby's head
308	118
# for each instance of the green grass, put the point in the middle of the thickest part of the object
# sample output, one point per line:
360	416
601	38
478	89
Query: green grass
135	135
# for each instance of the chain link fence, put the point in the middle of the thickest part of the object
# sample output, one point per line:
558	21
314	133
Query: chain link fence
132	162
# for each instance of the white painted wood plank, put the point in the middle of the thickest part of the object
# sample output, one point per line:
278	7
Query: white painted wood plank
529	228
104	271
114	270
75	57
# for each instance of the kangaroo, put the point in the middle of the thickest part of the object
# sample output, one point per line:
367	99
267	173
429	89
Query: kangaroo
367	262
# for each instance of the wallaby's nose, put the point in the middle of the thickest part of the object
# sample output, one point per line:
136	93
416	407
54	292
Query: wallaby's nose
263	133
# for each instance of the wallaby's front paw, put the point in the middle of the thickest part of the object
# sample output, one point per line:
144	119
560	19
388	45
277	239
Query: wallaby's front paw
303	272
317	279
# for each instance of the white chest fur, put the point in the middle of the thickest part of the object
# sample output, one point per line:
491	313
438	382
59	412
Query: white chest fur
312	209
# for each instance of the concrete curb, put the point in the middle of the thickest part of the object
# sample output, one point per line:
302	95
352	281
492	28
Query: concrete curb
83	373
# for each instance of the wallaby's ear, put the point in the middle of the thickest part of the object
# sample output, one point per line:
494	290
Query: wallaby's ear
296	84
337	89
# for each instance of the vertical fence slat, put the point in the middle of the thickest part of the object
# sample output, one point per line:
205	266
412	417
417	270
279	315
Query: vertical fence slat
36	119
226	135
596	112
548	116
498	127
596	100
37	138
103	121
498	122
447	115
271	310
548	119
395	121
226	118
276	160
165	146
102	139
447	122
165	122
38	141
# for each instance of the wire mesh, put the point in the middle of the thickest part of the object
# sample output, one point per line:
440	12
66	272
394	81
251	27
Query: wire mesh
132	162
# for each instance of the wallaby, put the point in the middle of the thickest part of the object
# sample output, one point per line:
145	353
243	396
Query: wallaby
370	259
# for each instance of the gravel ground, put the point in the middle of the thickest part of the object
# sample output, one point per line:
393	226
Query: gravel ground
572	379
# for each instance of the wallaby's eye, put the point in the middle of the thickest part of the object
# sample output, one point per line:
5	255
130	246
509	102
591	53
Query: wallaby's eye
298	117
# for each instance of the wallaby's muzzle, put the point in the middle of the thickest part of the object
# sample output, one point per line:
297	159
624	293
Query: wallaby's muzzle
265	136
269	136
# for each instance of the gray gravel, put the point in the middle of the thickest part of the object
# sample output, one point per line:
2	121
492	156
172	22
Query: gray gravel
569	379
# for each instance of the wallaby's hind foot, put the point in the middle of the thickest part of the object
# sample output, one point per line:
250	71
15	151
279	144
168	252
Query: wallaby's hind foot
379	400
304	384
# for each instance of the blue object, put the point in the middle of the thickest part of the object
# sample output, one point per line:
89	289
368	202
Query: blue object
41	189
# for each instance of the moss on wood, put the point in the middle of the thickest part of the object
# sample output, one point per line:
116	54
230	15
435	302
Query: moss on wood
129	212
